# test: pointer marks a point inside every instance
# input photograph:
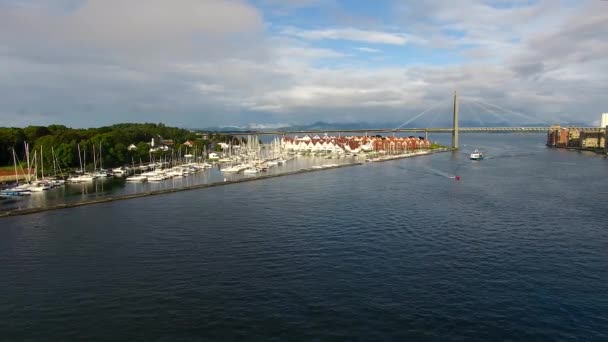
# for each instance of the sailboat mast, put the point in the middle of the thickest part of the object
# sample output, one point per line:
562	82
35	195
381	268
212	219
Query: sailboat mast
80	159
35	161
27	155
94	158
100	158
41	162
54	161
15	163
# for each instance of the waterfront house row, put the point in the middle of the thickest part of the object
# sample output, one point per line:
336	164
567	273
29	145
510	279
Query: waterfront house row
353	144
571	137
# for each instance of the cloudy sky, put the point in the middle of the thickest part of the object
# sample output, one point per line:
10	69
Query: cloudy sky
200	63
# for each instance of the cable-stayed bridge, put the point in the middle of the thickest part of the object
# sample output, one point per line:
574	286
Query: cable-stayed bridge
508	129
484	110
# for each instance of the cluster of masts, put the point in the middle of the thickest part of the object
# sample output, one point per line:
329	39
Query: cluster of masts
34	167
33	179
253	157
248	157
177	166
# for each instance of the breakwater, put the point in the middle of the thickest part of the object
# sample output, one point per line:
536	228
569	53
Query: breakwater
26	211
409	155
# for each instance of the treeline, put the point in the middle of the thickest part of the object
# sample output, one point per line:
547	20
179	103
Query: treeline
114	142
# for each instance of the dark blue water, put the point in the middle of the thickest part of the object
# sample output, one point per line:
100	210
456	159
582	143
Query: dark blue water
516	250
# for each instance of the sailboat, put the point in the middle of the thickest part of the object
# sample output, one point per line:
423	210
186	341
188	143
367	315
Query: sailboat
136	177
101	173
82	177
19	189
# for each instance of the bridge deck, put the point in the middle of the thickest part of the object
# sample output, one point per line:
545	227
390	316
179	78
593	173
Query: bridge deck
412	130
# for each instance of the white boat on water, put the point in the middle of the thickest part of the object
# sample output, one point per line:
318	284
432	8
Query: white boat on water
251	171
156	178
235	168
477	155
57	182
137	178
40	187
81	178
13	192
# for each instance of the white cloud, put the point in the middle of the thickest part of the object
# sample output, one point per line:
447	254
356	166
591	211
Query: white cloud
203	63
366	49
353	34
206	88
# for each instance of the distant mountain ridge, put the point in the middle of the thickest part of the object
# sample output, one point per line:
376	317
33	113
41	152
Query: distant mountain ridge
321	125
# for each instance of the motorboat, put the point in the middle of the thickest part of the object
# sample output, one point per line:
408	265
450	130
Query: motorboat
477	155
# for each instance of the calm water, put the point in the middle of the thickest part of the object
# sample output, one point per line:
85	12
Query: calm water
516	250
116	186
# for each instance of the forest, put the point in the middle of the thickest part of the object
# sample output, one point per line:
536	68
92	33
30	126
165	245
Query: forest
63	142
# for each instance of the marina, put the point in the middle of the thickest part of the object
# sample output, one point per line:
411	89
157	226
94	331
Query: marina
190	169
105	199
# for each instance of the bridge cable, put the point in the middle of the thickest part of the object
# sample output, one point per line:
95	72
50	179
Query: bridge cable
489	110
433	120
420	114
474	114
513	112
493	111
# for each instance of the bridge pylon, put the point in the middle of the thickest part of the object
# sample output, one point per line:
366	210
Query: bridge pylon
455	124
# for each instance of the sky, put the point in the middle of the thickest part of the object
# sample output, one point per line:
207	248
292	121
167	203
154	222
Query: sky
202	63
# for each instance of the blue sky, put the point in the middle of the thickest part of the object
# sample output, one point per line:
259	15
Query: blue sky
198	63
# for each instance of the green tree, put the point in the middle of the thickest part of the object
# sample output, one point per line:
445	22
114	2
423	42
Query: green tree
32	133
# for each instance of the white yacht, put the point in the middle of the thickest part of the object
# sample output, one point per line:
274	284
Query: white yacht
156	178
137	178
81	178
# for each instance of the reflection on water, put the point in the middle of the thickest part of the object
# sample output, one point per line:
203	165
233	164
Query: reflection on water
116	186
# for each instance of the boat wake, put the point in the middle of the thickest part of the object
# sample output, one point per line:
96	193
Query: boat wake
431	171
439	172
510	155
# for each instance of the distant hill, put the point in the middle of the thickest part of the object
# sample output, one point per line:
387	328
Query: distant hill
321	125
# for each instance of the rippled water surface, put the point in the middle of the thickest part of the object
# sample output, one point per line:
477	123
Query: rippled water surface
515	250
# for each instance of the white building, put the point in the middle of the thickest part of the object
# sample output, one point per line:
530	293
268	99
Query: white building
604	120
